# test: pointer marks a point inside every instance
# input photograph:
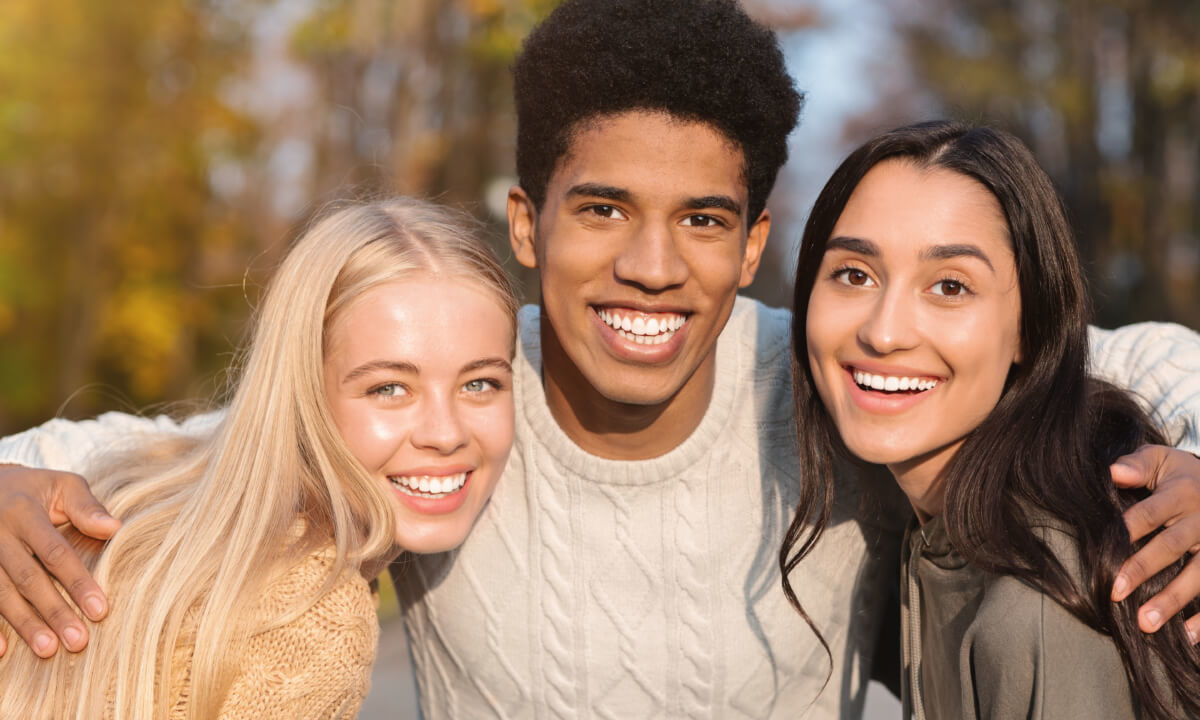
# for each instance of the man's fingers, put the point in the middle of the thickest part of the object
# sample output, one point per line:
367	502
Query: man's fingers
1162	550
61	561
25	621
1185	587
1163	508
25	584
1140	467
74	503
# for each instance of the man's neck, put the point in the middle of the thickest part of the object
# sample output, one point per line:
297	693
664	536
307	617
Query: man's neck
616	430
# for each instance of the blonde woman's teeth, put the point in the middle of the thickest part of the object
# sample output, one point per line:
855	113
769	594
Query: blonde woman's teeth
893	383
642	328
428	485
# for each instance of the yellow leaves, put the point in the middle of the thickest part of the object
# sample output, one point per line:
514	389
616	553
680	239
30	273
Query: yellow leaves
139	337
8	318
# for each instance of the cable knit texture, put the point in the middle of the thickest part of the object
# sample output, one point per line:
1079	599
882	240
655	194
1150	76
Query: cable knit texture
595	588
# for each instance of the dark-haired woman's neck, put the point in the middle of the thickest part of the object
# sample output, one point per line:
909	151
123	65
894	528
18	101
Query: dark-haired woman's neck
922	479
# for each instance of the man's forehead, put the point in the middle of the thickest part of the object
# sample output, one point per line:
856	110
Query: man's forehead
642	151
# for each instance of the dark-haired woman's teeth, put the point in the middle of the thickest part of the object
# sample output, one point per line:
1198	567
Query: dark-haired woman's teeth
644	329
893	383
428	486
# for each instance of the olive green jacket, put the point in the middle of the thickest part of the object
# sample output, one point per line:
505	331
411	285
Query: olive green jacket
979	646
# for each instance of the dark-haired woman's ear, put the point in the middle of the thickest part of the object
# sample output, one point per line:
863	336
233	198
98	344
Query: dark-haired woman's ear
1173	477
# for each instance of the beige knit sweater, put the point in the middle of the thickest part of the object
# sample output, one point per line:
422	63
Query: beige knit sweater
316	667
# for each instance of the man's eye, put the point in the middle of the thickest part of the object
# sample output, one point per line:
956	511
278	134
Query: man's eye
702	221
607	211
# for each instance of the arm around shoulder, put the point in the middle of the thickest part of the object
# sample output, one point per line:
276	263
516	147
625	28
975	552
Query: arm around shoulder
1160	363
66	445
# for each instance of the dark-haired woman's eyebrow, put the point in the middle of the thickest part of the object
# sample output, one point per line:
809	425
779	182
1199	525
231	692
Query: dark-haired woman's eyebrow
955	250
853	244
598	190
375	365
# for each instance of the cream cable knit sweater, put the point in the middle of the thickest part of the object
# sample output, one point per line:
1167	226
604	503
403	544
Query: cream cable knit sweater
594	588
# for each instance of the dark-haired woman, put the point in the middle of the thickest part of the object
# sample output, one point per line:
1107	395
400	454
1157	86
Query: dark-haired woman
941	330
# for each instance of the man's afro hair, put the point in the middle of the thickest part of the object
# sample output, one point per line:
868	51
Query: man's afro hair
702	60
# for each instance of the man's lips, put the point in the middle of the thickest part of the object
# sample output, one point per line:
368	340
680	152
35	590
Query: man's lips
641	327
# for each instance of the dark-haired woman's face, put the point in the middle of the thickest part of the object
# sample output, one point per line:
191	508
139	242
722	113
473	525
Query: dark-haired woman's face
913	321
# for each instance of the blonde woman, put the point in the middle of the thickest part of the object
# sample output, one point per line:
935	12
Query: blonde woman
373	413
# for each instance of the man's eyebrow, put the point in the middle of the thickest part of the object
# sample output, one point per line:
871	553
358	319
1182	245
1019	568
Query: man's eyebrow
598	190
492	362
853	244
954	250
375	365
723	202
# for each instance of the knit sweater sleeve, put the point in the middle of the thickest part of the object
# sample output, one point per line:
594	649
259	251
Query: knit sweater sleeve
1160	364
317	667
68	445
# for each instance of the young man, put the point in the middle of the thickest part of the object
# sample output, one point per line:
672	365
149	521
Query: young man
626	566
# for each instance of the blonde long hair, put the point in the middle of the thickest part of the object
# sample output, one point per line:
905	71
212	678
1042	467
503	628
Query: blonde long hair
209	522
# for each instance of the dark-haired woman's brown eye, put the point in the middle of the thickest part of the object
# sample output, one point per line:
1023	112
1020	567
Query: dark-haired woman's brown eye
949	288
856	277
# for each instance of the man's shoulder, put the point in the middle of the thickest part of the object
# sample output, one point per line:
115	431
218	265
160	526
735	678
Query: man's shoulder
762	335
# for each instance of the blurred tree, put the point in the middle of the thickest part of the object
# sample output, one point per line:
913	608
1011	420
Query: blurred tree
108	229
417	98
1107	93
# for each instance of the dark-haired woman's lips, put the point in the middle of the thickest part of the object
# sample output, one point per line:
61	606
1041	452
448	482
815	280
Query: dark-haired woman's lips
893	383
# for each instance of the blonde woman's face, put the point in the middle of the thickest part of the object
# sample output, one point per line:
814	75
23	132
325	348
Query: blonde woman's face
418	378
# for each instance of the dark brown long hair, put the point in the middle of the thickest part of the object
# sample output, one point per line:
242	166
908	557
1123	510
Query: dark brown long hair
1048	443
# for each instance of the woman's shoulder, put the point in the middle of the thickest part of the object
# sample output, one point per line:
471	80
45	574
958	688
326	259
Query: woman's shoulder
1026	648
318	662
1014	614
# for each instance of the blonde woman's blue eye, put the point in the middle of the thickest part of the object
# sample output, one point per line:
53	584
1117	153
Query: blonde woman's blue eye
389	390
475	386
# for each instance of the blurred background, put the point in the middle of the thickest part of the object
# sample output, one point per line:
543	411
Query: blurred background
157	156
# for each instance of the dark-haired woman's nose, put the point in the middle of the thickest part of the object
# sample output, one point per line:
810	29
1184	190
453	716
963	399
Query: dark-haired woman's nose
891	324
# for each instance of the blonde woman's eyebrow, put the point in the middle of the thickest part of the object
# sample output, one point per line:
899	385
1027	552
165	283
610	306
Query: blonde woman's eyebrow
377	365
489	362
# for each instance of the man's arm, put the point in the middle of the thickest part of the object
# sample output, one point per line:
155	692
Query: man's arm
37	492
1160	364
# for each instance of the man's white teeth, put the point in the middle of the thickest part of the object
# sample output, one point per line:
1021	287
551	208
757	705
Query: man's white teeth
641	329
428	486
893	383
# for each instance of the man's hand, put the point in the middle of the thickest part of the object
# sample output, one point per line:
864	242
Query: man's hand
1174	478
32	550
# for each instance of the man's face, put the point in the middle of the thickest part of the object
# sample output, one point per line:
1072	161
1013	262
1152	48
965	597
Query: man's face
641	245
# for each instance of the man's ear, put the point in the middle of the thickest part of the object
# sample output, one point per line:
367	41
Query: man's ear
522	222
756	240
